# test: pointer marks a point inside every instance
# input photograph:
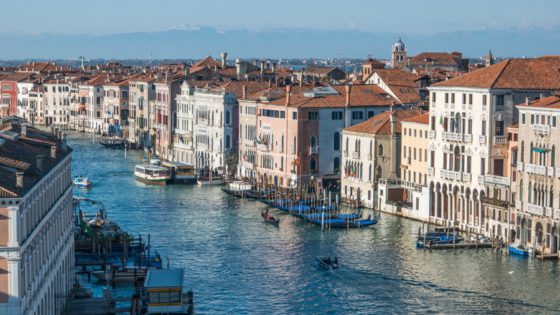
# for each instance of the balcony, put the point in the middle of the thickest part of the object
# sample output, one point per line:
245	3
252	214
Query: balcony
482	139
550	171
500	139
466	177
558	172
556	213
451	175
452	136
370	157
345	152
535	169
541	129
496	180
432	134
548	211
431	171
519	205
520	166
500	108
315	150
263	147
355	155
535	209
467	138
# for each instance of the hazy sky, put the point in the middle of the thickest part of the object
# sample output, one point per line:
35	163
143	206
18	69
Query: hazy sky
412	16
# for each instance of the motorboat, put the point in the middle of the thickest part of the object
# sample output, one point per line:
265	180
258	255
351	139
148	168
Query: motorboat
181	173
81	181
327	262
521	250
237	188
113	143
152	174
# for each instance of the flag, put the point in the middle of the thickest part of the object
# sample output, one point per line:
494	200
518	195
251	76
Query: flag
441	119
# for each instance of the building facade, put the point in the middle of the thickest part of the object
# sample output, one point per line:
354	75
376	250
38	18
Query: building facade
36	228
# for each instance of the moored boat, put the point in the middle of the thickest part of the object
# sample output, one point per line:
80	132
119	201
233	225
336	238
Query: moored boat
237	188
152	174
181	173
205	181
520	250
269	218
81	181
113	143
327	262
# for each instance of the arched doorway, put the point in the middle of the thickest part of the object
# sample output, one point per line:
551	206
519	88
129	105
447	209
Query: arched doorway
539	234
554	240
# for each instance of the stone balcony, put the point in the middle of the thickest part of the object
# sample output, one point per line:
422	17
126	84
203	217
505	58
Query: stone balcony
431	171
541	129
451	175
370	157
535	169
355	155
456	137
482	139
315	150
535	209
500	139
432	134
263	147
496	180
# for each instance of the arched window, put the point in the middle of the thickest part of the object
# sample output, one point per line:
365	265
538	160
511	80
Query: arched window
380	149
282	144
531	153
228	142
356	145
521	190
228	118
294	145
346	145
313	141
337	141
369	173
530	193
522	151
312	164
378	172
336	164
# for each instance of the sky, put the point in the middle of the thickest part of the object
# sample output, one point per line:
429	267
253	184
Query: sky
406	16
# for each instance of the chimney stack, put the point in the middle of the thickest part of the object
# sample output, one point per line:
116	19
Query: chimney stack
19	180
53	152
348	89
224	59
24	130
301	78
262	67
526	101
273	67
40	162
244	92
288	95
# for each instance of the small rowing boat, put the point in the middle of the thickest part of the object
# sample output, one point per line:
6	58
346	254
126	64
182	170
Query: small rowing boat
269	218
327	262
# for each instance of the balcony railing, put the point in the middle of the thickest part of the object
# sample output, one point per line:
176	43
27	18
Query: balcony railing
431	171
466	177
556	213
500	108
315	150
541	129
467	138
452	175
548	211
482	139
535	169
263	147
452	136
535	209
500	139
496	180
432	134
355	155
520	166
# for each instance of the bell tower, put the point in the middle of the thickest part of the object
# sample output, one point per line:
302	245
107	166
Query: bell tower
398	55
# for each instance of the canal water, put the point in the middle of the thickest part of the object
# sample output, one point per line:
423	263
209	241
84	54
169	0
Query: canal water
235	263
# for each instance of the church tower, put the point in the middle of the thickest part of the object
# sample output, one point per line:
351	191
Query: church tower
489	59
398	55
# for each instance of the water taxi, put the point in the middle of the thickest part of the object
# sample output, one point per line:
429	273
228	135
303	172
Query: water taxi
81	181
181	173
152	174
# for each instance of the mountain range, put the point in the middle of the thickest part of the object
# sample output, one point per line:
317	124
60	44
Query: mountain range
196	42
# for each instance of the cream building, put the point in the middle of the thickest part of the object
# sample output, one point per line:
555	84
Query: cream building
538	175
36	228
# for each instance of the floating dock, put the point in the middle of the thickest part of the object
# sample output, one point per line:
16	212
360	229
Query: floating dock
462	245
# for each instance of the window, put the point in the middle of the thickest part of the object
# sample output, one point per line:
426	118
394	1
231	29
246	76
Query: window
470	99
484	127
370	114
483	99
312	164
433	123
532	119
228	142
446	98
482	166
337	141
522	118
228	118
553	121
380	149
432	158
464	99
336	164
337	115
499	100
313	115
294	115
357	115
499	128
433	97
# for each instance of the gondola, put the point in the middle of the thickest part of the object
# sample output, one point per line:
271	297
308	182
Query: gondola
113	143
327	262
269	218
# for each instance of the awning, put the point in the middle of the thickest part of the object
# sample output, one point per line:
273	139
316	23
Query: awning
540	150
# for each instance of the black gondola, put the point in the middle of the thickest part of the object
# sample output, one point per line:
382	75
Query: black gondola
269	218
113	143
327	262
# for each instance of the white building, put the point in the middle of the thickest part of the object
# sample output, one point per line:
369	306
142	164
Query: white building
36	228
57	103
468	141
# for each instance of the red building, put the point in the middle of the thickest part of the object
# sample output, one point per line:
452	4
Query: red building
8	92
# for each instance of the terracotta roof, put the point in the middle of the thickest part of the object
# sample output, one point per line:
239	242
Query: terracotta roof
21	155
402	84
436	58
360	95
547	102
419	119
535	74
381	124
236	87
207	62
317	70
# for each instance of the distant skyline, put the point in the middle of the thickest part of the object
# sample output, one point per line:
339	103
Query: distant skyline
103	17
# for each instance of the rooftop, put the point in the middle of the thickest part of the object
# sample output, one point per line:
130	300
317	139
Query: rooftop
381	124
164	278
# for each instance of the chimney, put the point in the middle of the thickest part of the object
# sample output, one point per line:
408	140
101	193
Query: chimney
262	67
24	130
526	101
53	152
301	78
273	67
224	59
238	67
19	180
348	89
288	95
40	160
244	92
393	123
